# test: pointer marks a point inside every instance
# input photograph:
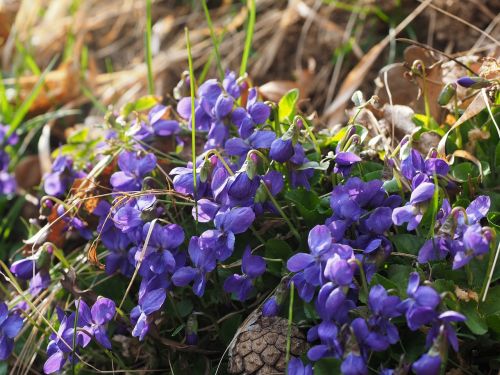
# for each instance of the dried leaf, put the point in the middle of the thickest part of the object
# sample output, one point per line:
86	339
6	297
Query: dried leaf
92	256
28	173
477	105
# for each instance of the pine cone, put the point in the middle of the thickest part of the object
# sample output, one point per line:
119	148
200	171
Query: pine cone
260	347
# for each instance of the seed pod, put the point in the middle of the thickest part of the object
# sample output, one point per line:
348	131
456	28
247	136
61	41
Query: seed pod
447	93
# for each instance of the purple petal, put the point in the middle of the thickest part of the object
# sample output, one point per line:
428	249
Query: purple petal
54	363
252	265
478	209
259	112
103	310
183	276
320	239
422	193
299	261
153	301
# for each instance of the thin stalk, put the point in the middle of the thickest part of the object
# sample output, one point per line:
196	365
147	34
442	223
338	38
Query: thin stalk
73	349
280	210
149	52
215	41
249	37
193	118
290	317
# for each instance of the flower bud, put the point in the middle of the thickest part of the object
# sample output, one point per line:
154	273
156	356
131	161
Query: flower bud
473	82
192	330
281	150
447	93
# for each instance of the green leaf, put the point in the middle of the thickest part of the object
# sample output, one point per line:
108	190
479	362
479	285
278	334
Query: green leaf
305	198
228	328
493	322
184	307
327	366
287	104
492	304
384	281
277	249
475	322
407	243
399	274
141	104
494	220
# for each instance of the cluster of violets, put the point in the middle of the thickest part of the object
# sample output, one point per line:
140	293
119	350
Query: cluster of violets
246	163
7	180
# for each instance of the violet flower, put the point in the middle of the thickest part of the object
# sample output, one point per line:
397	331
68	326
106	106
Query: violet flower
297	367
94	319
252	267
413	211
310	265
421	304
228	223
256	113
133	169
10	325
203	262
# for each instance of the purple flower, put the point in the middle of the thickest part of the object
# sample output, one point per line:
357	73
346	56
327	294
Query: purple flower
96	318
428	364
413	212
220	241
61	176
421	304
327	333
230	84
378	332
10	325
129	217
442	327
270	307
256	113
281	150
133	169
353	364
260	139
476	242
150	302
25	268
162	127
252	267
203	262
297	367
7	183
344	161
60	347
309	265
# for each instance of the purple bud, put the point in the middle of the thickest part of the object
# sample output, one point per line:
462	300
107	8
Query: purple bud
281	150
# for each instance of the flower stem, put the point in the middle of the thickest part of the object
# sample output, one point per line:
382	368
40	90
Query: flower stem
280	210
290	317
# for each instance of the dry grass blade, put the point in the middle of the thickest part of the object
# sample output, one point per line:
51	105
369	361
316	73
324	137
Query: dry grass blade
334	112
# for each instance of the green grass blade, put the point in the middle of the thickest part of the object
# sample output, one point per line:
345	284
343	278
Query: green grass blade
149	52
214	39
25	106
5	106
249	37
193	117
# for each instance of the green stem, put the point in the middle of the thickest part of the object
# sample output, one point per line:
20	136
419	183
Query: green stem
214	39
280	210
290	317
193	118
149	52
249	37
